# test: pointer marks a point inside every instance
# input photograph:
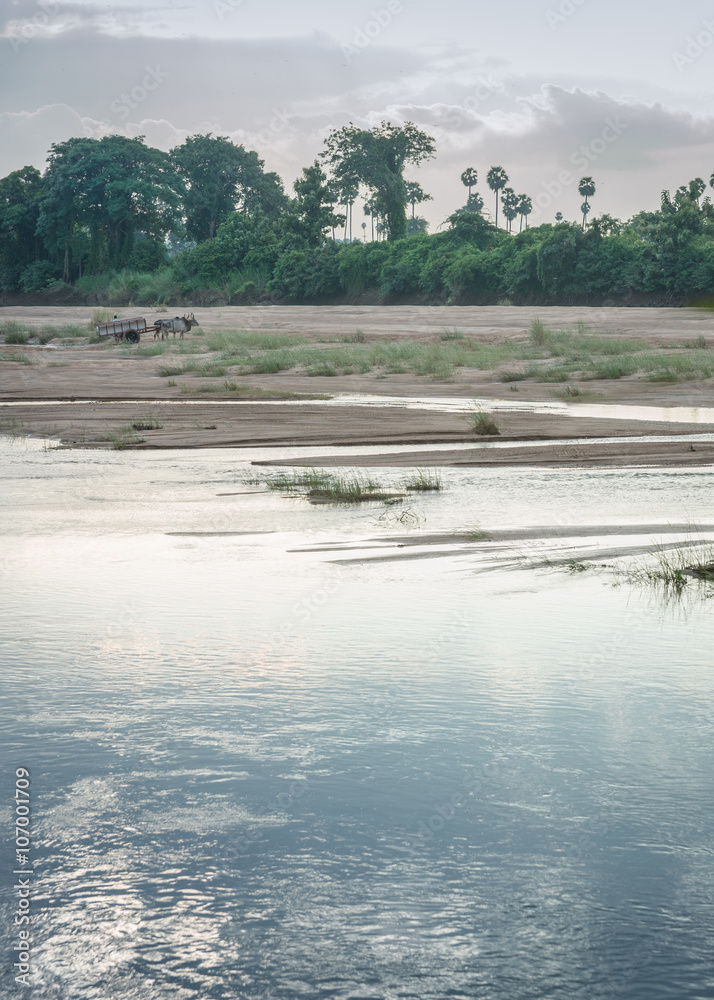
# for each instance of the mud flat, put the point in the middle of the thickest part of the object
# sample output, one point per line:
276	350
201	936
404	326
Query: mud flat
105	395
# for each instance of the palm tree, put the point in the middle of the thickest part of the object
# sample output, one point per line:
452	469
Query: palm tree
525	207
497	179
348	195
558	216
370	209
469	178
509	203
586	188
697	187
415	194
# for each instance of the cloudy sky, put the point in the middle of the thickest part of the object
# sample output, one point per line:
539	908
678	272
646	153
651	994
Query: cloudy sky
549	89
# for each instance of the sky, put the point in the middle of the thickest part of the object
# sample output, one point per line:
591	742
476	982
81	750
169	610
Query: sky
551	90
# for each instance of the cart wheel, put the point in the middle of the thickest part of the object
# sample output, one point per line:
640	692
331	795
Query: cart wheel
131	336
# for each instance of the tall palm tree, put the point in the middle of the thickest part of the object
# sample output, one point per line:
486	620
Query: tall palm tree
558	216
415	194
509	204
525	207
469	178
348	196
497	179
586	188
370	209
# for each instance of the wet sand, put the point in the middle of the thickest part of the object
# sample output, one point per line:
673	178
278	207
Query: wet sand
68	379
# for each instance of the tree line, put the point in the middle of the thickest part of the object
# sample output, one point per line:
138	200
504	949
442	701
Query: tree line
206	222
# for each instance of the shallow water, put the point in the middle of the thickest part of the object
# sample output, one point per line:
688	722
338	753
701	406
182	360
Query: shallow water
454	404
260	770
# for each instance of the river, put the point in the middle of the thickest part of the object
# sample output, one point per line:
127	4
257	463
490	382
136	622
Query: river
280	750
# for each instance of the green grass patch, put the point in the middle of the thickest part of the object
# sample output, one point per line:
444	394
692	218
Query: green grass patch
423	482
18	357
483	423
326	487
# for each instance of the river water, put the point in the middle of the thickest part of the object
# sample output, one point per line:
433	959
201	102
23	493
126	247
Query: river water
284	751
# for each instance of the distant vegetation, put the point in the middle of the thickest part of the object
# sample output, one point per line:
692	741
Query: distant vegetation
115	222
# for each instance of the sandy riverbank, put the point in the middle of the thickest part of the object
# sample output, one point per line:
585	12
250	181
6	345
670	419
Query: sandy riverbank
81	386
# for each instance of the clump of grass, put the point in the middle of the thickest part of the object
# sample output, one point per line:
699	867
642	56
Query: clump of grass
58	364
125	437
100	316
325	487
572	392
612	368
483	423
147	423
698	343
663	375
453	334
171	383
538	332
357	337
674	566
21	359
511	375
423	482
16	336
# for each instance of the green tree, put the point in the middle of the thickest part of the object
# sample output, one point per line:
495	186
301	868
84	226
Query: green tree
474	203
222	178
113	188
417	226
312	210
586	188
377	158
20	195
497	178
697	187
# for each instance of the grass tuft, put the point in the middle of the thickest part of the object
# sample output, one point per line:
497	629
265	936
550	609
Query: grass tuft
423	482
483	423
147	423
325	487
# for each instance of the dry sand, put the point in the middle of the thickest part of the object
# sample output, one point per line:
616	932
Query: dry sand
105	373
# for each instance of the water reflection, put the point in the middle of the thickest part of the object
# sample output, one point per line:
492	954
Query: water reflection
268	773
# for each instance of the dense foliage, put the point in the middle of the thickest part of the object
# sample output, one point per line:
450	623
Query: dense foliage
114	220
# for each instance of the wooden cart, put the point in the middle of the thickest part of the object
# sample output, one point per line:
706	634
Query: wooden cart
129	330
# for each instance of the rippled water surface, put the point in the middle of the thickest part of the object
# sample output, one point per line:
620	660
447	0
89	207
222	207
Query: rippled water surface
278	752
